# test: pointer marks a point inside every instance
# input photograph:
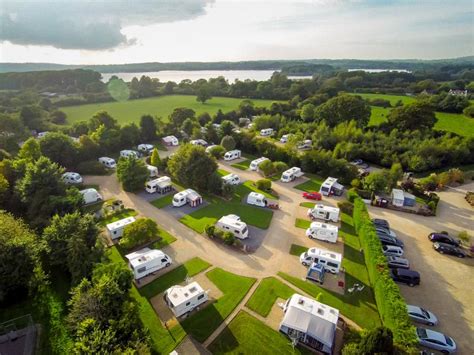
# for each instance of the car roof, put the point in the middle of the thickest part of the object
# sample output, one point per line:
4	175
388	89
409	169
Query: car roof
408	272
412	308
435	335
446	245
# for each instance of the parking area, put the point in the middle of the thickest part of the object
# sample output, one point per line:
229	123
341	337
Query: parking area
446	281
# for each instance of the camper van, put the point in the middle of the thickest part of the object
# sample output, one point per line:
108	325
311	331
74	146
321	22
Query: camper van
170	141
152	171
115	229
233	224
145	148
72	178
126	153
232	154
330	260
183	299
330	186
90	196
255	163
187	196
306	144
257	199
200	142
291	174
161	185
108	162
326	213
322	231
266	132
147	261
231	179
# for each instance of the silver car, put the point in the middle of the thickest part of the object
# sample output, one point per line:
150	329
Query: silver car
421	315
398	262
436	340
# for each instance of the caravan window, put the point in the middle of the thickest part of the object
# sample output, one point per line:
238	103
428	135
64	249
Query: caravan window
142	269
200	297
164	260
188	303
332	264
325	189
244	230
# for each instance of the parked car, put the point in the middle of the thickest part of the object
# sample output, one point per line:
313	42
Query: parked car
444	238
409	277
381	223
360	163
421	315
386	231
436	340
444	248
386	240
312	195
390	250
397	262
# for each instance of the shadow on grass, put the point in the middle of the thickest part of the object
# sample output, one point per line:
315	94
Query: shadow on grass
203	323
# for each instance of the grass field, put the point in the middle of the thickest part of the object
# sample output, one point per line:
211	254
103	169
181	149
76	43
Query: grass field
163	201
297	250
247	335
243	165
234	288
131	111
166	239
302	223
266	294
392	98
126	212
313	184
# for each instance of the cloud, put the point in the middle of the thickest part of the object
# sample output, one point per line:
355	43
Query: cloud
90	25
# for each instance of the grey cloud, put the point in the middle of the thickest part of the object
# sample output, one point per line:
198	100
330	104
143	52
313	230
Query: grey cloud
91	25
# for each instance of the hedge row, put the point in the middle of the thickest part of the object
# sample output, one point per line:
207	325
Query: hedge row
390	303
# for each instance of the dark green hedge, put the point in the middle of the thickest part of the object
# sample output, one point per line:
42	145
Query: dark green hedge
390	303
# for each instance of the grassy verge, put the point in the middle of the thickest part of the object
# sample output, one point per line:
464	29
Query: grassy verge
247	187
126	212
297	250
222	172
313	184
302	223
243	165
307	204
166	239
247	335
266	294
163	201
234	288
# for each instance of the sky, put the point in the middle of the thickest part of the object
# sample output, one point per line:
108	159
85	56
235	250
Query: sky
135	31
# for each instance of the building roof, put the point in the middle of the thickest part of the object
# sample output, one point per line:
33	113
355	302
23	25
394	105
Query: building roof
180	294
121	223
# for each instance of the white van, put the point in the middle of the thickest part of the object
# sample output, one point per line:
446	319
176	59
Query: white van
255	163
90	196
232	223
127	153
232	154
266	132
183	299
231	179
147	261
72	178
145	148
152	171
326	213
322	231
291	174
330	260
108	162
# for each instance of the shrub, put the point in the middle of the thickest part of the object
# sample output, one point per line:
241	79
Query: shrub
352	195
264	184
217	151
266	168
346	207
377	341
140	232
279	167
228	238
218	233
91	167
464	236
210	229
356	183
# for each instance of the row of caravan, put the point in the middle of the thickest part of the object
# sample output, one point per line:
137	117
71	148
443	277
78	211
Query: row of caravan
323	231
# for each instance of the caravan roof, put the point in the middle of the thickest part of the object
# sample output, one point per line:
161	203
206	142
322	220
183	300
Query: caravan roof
230	177
331	182
316	252
143	256
121	223
189	193
163	181
232	220
326	208
179	294
319	225
256	195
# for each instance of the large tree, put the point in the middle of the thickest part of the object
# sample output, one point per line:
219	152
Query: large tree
102	118
60	149
203	94
132	173
30	150
180	114
228	143
138	233
344	108
418	115
147	128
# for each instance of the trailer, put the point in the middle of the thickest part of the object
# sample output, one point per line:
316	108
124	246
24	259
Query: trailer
161	185
152	171
90	196
306	144
147	261
232	223
322	231
331	261
170	140
284	138
331	187
257	199
255	163
145	148
187	196
326	213
291	174
184	299
231	179
108	162
232	154
127	153
72	178
115	229
266	132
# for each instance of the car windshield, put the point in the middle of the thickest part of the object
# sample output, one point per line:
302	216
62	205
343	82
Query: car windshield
425	313
449	341
421	333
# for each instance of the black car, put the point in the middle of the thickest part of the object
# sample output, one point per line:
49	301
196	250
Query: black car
381	223
444	248
409	277
387	240
444	238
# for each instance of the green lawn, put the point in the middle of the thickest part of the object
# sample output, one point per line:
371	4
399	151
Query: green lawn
313	184
247	335
242	190
307	204
176	276
166	239
267	293
126	212
392	98
222	172
131	111
297	249
302	223
243	165
163	201
234	288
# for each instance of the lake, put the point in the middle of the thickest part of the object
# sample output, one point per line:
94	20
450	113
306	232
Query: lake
381	70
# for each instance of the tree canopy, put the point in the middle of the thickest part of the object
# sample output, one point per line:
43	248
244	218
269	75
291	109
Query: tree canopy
418	115
132	173
344	108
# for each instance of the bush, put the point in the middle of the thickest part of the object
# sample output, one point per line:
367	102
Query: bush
352	195
266	168
91	167
346	207
279	167
264	184
218	233
465	237
228	238
138	233
217	152
210	229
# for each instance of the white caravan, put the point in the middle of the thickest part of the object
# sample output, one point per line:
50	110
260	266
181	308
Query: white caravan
255	163
306	144
72	178
330	260
231	179
171	140
257	199
322	231
232	154
160	185
232	223
291	174
152	171
284	138
330	186
146	261
127	153
187	196
326	213
266	132
145	148
183	299
90	196
200	142
108	162
115	229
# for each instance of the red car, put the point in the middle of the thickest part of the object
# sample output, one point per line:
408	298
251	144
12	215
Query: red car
312	195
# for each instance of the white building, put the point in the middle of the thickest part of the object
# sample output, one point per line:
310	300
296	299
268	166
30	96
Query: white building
331	187
183	299
171	140
232	223
310	322
146	261
115	229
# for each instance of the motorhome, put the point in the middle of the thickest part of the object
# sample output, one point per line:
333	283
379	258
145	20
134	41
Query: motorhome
116	228
284	138
147	261
187	196
183	299
331	261
210	147
231	179
255	163
232	154
266	132
233	224
145	148
90	196
161	185
326	213
72	178
291	174
330	186
152	171
200	142
108	162
257	199
322	231
306	144
127	153
170	140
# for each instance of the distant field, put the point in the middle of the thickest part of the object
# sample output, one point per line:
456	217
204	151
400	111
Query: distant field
392	98
131	111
